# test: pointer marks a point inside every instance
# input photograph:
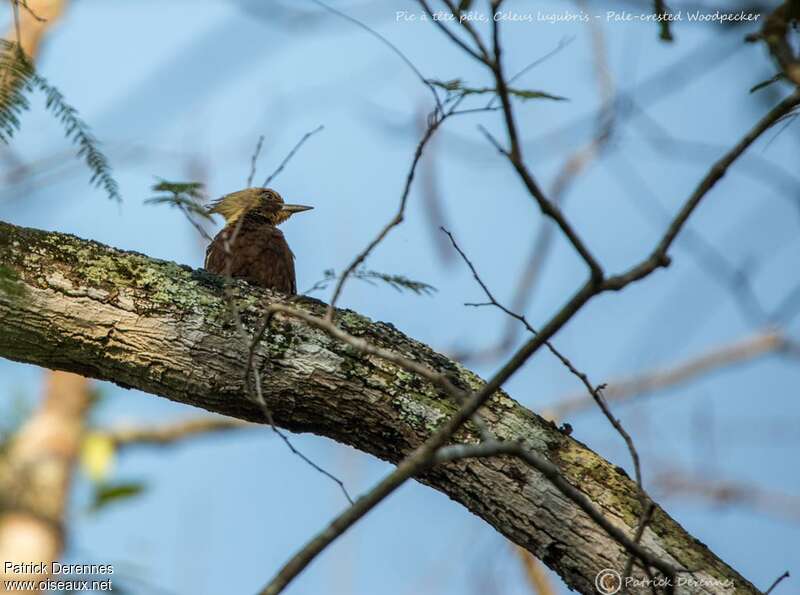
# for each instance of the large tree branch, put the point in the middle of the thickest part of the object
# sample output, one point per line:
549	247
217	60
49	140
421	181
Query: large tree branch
165	329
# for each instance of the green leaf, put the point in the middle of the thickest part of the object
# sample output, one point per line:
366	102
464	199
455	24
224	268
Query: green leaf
190	188
109	493
529	94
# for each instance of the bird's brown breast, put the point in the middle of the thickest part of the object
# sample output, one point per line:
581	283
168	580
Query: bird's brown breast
259	254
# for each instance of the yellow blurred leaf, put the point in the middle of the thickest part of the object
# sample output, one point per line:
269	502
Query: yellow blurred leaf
97	456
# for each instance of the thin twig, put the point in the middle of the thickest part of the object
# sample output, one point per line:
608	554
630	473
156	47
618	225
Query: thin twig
200	229
658	258
551	472
572	167
713	261
594	391
439	380
253	161
785	575
563	43
291	154
453	37
662	13
466	24
15	9
435	120
644	520
388	44
29	10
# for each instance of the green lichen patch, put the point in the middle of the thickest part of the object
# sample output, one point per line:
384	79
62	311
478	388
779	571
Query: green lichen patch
84	263
352	322
10	286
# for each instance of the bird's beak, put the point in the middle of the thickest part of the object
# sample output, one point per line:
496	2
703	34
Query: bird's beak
295	208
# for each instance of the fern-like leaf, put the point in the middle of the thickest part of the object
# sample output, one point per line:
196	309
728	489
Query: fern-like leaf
187	196
15	75
18	77
399	283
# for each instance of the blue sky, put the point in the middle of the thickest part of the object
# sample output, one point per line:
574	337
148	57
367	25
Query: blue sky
183	90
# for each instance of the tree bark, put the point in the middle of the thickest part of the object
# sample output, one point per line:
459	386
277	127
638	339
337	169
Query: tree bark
76	305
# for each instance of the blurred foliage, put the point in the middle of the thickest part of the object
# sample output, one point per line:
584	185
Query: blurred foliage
18	77
187	196
15	411
456	87
110	493
398	282
98	453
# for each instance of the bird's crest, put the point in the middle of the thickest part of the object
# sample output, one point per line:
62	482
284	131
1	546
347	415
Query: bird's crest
234	205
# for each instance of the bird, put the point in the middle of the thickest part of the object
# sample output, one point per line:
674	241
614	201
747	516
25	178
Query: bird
250	246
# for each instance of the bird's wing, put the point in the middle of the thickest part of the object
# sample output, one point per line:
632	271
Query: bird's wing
215	256
260	256
279	261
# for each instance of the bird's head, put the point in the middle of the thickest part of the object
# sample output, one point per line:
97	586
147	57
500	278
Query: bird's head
260	202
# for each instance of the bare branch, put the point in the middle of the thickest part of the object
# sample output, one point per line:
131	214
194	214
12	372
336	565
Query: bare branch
662	12
316	383
464	21
763	343
672	483
436	119
644	519
775	34
169	434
